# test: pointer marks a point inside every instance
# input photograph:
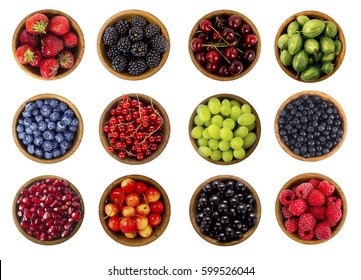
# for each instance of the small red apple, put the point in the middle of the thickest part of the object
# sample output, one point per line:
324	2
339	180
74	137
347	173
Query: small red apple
114	223
117	195
127	225
140	187
111	209
152	194
128	211
141	222
132	199
156	207
143	209
128	185
146	232
154	219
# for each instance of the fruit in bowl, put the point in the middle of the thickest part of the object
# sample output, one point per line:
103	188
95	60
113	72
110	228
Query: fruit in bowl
48	44
47	128
134	128
134	210
224	45
133	44
48	210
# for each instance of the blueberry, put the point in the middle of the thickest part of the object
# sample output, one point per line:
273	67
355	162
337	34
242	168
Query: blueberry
63	106
21	135
35	112
47	146
28	130
30	149
28	139
20	128
38	118
73	128
42	126
54	116
56	153
33	126
27	121
39	152
46	110
60	126
69	113
67	119
69	135
56	144
51	125
65	144
29	107
59	137
38	140
48	155
54	103
48	134
74	122
39	103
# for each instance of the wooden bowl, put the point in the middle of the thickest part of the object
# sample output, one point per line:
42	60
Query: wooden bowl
128	15
193	210
165	131
77	139
77	51
33	238
257	129
324	97
312	15
215	76
138	240
296	181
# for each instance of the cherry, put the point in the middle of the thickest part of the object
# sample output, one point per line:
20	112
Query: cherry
250	39
235	67
197	44
213	56
231	53
223	71
234	21
245	28
229	35
206	25
249	55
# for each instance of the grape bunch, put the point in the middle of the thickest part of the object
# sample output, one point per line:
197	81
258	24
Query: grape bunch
224	129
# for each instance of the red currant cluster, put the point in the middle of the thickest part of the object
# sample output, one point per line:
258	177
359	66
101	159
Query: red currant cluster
224	45
134	129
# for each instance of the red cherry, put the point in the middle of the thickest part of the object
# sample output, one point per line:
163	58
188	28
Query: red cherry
206	25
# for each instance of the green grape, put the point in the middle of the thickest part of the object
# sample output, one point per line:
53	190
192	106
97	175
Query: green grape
217	120
246	119
227	156
214	131
236	143
203	112
205	133
213	144
197	121
216	155
197	132
226	102
239	154
214	105
249	140
246	108
202	141
235	112
204	151
225	110
226	134
208	123
223	145
241	131
235	103
229	123
251	126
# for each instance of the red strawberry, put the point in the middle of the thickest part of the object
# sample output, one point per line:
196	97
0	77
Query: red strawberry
38	58
49	68
51	45
59	25
70	40
24	54
27	38
37	24
65	59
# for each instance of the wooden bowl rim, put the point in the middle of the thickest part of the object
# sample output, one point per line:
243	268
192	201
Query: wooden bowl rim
303	178
257	130
32	238
165	132
192	210
312	14
76	142
324	96
78	51
138	240
246	69
128	14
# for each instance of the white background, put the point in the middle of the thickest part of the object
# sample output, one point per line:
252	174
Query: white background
179	87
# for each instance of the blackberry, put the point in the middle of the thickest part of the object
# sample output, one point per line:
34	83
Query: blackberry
124	44
123	27
137	66
110	36
152	30
139	21
119	63
153	58
113	52
136	33
139	49
159	43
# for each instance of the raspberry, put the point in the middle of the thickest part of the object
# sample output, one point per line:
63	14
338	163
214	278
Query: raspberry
315	198
307	222
286	197
303	190
298	206
314	182
306	234
323	231
333	200
319	212
285	212
333	215
291	225
326	188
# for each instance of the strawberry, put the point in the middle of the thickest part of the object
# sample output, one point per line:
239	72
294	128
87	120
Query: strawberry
24	54
27	38
59	25
37	24
49	68
65	59
51	45
70	40
38	58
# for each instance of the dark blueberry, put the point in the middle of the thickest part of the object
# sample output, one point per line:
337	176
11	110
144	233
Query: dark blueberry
229	232
238	234
222	237
250	198
229	193
207	188
222	187
233	201
215	216
232	212
203	202
230	184
214	200
207	211
240	187
207	220
241	209
217	226
252	218
199	218
237	224
222	208
225	220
